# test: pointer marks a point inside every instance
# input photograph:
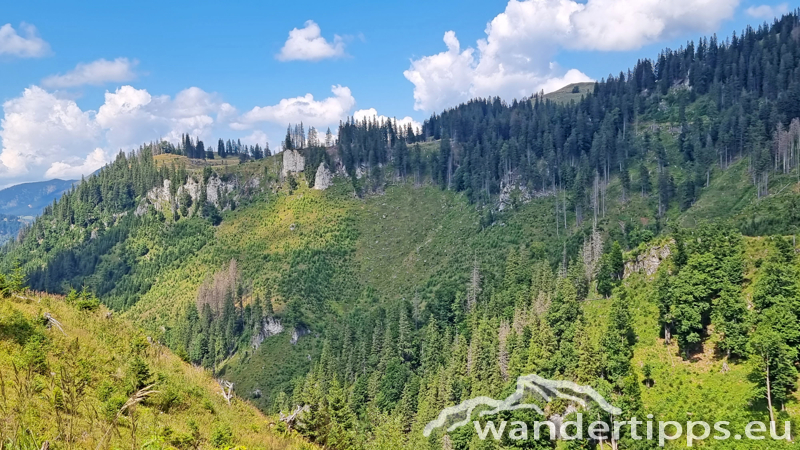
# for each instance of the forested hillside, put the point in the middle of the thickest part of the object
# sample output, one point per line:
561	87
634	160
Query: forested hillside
639	239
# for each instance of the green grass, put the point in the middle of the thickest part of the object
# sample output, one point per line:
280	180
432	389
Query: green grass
565	94
66	388
408	234
274	367
272	239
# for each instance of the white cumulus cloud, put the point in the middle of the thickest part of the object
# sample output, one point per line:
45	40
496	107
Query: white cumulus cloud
306	109
372	113
95	73
625	25
767	11
74	168
45	135
131	116
26	44
516	58
307	44
39	129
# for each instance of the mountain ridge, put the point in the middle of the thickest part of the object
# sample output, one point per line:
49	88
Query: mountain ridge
29	199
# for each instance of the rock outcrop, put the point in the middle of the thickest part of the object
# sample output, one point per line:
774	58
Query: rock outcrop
558	419
270	327
162	200
511	192
160	197
191	187
648	261
324	177
299	332
361	170
216	187
293	162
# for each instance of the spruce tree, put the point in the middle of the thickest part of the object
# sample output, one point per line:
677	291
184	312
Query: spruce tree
342	420
316	422
611	270
541	348
731	320
619	338
288	142
200	150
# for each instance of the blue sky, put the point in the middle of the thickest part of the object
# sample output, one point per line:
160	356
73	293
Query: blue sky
63	119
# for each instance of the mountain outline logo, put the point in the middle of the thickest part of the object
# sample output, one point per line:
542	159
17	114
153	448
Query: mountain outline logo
546	388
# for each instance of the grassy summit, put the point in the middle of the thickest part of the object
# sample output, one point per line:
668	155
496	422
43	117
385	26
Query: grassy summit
574	91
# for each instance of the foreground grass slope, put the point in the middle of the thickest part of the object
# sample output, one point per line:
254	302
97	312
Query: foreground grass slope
69	388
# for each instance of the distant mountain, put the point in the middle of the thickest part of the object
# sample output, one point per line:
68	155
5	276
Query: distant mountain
10	226
29	199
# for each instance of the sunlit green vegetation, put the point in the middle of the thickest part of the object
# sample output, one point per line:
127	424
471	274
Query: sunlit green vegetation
74	376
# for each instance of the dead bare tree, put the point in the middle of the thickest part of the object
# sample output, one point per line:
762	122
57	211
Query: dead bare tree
591	253
214	290
51	321
133	400
293	418
447	443
503	353
227	389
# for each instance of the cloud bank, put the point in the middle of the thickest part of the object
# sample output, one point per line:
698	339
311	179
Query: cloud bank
40	129
516	58
45	135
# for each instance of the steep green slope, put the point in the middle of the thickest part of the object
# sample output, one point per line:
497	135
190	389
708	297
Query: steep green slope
67	383
706	387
